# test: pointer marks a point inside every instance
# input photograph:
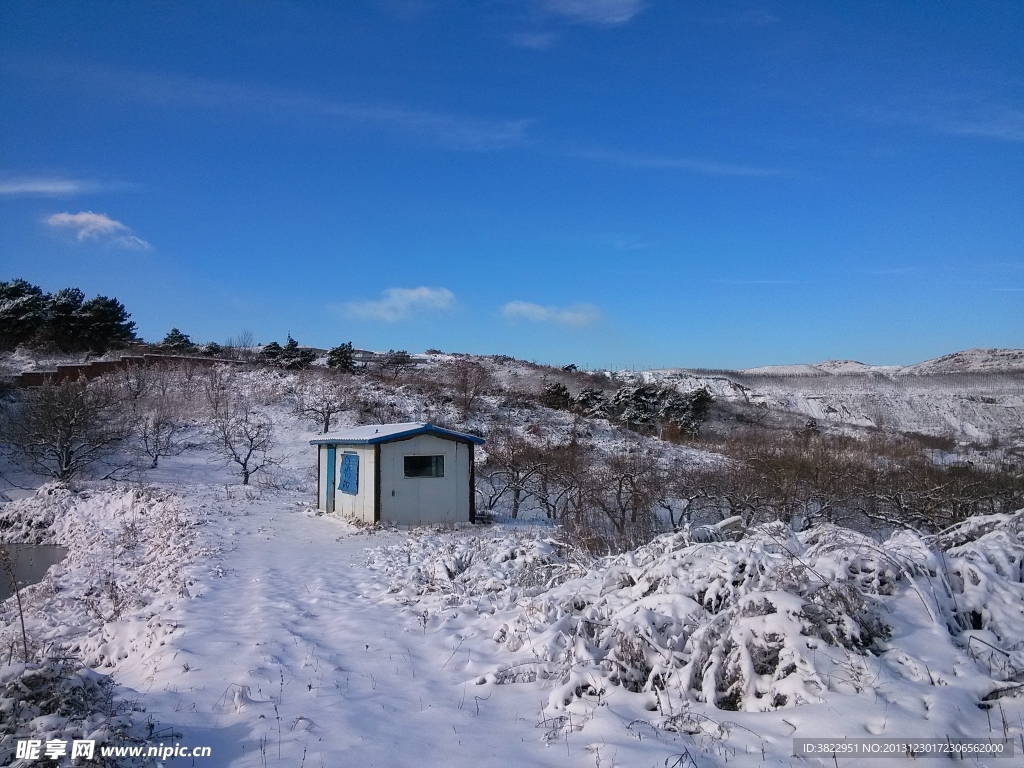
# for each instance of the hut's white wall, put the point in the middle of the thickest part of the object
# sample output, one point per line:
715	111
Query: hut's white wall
360	504
417	500
321	473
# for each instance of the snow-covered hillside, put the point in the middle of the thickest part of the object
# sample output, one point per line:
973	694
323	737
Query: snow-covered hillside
975	396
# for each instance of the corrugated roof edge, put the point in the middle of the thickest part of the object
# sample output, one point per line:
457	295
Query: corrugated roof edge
423	429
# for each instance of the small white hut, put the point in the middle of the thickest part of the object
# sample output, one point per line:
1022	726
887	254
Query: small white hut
409	474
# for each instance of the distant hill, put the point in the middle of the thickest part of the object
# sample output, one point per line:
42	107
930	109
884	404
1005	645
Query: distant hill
967	361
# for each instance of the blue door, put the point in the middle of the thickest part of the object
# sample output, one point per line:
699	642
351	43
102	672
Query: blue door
331	458
349	482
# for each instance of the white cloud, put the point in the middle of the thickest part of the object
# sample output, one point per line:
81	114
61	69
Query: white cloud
42	187
56	187
575	315
399	303
606	12
98	226
670	163
455	131
958	115
538	40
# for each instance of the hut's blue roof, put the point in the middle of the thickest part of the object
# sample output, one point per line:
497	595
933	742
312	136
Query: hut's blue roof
371	434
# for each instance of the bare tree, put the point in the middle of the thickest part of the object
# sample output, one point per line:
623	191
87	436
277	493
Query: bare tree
628	486
63	430
394	363
468	381
377	407
512	464
244	436
161	431
240	347
320	397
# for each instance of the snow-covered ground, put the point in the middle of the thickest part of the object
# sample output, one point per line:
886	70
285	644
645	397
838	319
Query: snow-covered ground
243	620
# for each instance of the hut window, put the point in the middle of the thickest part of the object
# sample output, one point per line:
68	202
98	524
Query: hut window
424	466
349	482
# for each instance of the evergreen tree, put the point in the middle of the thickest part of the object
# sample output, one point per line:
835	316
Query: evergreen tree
177	341
591	402
291	355
271	352
701	401
342	357
62	326
22	312
638	406
64	320
556	395
104	323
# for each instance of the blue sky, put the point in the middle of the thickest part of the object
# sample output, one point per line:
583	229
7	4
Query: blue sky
607	182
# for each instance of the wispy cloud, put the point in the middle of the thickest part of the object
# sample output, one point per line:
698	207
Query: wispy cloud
399	303
1005	123
538	40
450	130
629	244
98	226
671	163
756	282
959	116
48	186
604	12
575	315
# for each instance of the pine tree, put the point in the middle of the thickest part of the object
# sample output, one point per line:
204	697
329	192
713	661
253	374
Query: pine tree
177	341
638	406
22	312
62	327
556	395
288	356
64	320
592	403
342	357
271	352
104	323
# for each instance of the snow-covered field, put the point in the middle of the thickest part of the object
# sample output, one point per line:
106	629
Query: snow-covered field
242	620
239	618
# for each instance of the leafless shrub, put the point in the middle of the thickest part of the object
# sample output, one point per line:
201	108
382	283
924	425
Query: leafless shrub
512	464
320	397
65	430
7	569
242	433
391	365
61	698
377	407
468	381
811	477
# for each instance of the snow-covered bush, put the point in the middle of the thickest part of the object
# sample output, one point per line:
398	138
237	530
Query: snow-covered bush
60	699
773	620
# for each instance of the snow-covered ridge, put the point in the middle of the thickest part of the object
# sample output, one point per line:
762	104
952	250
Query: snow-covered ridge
976	396
966	361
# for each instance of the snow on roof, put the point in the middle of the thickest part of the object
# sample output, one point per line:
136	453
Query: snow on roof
370	434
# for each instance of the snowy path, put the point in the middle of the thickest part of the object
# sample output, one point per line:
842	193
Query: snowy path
283	659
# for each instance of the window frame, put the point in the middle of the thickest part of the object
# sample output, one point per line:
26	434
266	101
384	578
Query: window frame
436	462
